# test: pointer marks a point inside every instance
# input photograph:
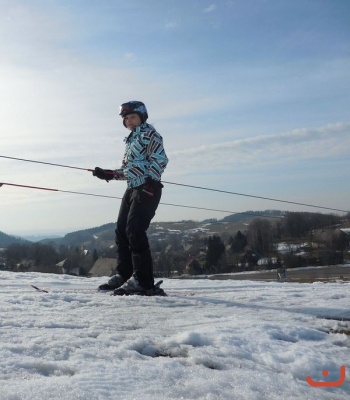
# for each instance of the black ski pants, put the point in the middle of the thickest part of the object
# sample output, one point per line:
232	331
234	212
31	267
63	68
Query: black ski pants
137	209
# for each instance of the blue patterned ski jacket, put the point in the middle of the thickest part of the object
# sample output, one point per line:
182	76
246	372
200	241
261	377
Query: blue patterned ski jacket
144	156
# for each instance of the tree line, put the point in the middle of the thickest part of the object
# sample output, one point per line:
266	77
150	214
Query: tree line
215	254
25	256
241	251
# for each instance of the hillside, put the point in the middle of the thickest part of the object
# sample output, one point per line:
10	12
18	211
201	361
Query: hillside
102	237
186	246
6	240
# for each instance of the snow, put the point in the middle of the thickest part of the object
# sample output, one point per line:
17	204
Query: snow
285	248
223	339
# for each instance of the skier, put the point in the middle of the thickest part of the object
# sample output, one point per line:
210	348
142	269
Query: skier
281	271
143	164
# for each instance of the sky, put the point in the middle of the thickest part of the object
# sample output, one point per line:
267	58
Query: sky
250	96
208	340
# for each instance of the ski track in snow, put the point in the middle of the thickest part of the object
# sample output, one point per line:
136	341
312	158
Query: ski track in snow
228	340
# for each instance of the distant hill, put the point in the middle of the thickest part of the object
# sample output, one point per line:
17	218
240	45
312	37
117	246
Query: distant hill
6	240
97	237
247	215
103	236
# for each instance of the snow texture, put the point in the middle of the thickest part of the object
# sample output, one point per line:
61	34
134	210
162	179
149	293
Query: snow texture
208	340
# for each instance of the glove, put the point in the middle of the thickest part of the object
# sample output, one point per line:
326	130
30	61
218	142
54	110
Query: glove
106	174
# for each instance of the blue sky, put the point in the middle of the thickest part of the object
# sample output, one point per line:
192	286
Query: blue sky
250	96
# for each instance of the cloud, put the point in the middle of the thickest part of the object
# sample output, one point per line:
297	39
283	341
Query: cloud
171	25
299	144
210	9
130	56
30	30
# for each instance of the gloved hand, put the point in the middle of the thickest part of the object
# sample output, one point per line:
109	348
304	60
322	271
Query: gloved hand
106	174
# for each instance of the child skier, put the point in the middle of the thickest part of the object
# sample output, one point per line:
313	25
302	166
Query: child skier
143	164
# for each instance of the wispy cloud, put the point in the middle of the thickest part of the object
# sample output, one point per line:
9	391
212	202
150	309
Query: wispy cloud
210	9
171	25
130	56
299	144
30	30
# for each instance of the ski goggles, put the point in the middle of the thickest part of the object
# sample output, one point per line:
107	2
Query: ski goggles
126	109
133	107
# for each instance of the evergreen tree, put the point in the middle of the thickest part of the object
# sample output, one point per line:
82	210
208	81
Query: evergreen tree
214	251
238	242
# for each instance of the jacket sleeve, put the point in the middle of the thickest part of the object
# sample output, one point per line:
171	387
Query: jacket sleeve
120	174
156	155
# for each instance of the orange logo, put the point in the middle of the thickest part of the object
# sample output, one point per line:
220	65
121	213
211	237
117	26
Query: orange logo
339	382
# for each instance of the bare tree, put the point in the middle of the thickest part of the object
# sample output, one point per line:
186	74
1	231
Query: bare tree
260	236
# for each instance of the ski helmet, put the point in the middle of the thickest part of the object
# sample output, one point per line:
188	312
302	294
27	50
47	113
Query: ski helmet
133	107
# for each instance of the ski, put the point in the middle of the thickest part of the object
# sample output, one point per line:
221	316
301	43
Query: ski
156	291
39	289
88	290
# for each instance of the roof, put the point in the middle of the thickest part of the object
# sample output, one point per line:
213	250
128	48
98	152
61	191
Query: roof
61	263
103	267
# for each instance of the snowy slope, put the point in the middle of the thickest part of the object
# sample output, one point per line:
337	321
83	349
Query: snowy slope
209	340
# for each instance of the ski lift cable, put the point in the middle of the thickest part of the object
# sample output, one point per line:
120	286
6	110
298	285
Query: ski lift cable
46	163
255	197
191	186
115	197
